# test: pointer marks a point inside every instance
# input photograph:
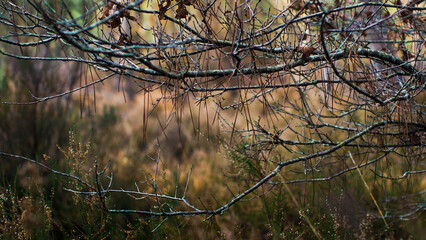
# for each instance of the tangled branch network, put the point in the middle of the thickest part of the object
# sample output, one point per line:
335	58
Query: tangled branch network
336	79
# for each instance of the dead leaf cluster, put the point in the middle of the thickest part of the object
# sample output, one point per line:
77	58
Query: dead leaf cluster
112	7
181	11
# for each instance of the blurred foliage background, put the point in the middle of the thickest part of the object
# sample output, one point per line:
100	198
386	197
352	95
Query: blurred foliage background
115	121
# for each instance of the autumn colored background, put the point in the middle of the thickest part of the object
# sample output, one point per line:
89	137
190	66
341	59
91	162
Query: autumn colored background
189	146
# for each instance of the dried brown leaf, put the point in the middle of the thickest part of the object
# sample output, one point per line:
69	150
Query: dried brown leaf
163	6
105	10
181	12
306	51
